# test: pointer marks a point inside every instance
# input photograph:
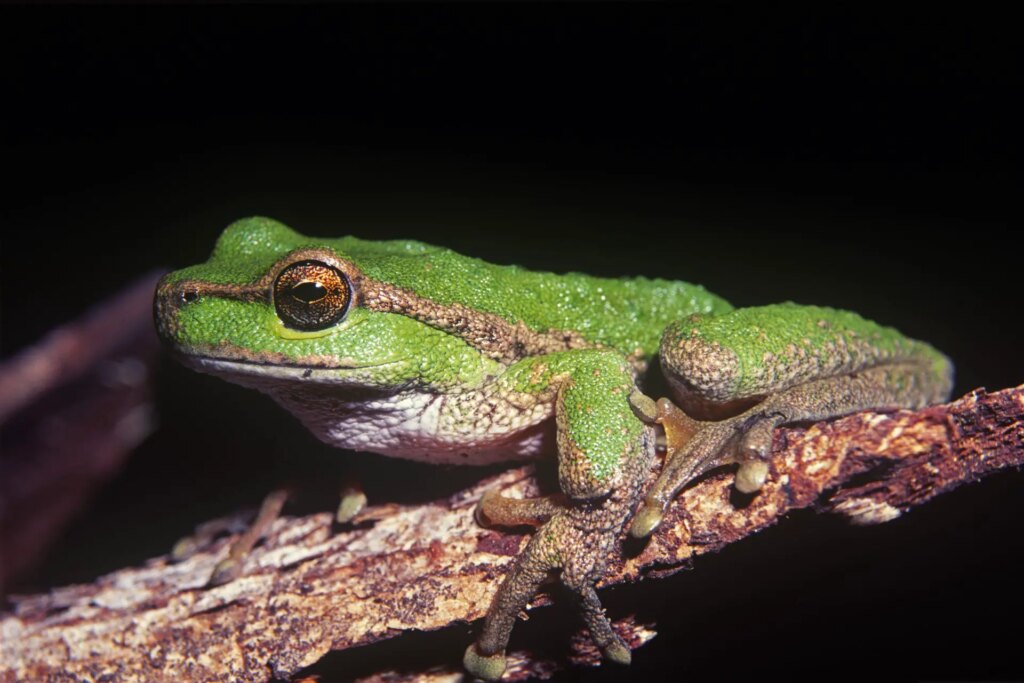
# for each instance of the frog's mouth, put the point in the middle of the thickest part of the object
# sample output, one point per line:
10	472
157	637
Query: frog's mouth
271	366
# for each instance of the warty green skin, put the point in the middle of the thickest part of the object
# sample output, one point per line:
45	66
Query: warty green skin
447	358
628	314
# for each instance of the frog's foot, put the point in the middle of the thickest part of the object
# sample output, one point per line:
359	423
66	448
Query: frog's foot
495	509
230	567
684	436
576	541
695	447
747	438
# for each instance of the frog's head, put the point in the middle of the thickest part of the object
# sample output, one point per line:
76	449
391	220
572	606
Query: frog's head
273	307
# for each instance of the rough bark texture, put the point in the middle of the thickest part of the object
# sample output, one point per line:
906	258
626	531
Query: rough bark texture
308	590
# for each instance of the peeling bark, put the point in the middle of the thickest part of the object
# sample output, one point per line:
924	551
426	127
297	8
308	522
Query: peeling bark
308	590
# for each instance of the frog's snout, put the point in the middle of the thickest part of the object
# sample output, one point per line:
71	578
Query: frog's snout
168	299
174	294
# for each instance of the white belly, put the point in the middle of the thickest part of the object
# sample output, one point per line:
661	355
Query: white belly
470	428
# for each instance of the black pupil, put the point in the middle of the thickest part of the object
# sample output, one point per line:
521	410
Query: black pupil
308	292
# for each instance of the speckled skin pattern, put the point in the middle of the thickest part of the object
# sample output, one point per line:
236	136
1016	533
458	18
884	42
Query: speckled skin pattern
445	358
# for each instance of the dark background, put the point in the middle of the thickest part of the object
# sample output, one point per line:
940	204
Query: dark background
860	160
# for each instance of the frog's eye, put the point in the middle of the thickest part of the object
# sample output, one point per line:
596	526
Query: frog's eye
311	295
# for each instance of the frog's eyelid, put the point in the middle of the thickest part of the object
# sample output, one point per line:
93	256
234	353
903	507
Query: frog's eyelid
325	256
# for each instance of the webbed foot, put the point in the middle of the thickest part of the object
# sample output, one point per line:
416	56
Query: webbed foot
694	447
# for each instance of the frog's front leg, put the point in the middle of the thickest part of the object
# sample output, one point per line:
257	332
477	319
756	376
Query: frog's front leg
775	365
604	452
353	500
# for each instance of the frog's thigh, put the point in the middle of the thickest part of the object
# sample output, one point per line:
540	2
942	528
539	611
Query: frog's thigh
750	353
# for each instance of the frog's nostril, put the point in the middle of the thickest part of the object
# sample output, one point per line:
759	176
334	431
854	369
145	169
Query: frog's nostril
189	295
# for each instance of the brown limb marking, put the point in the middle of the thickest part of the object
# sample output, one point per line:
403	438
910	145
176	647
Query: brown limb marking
305	591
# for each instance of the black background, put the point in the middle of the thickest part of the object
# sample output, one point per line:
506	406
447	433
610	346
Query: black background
860	160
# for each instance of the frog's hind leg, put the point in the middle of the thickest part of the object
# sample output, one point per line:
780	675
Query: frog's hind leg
794	363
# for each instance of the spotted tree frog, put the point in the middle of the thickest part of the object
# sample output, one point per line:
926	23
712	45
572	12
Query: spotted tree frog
414	351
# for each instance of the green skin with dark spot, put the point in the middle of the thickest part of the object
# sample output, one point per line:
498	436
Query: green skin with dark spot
588	342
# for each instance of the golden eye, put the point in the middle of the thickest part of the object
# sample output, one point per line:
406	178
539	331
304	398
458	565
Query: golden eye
311	296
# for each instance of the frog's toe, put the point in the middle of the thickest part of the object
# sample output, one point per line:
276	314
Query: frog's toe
756	442
485	667
204	536
618	652
353	500
612	646
709	445
495	509
487	503
226	571
644	407
646	520
566	545
751	475
753	455
230	568
185	548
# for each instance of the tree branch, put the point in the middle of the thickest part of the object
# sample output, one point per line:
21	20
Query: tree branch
308	590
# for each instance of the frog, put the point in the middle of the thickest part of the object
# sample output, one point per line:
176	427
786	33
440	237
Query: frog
414	351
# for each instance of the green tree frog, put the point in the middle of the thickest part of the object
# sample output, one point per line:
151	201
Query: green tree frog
414	351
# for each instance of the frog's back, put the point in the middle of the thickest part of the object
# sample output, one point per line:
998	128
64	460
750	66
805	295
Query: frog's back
624	313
